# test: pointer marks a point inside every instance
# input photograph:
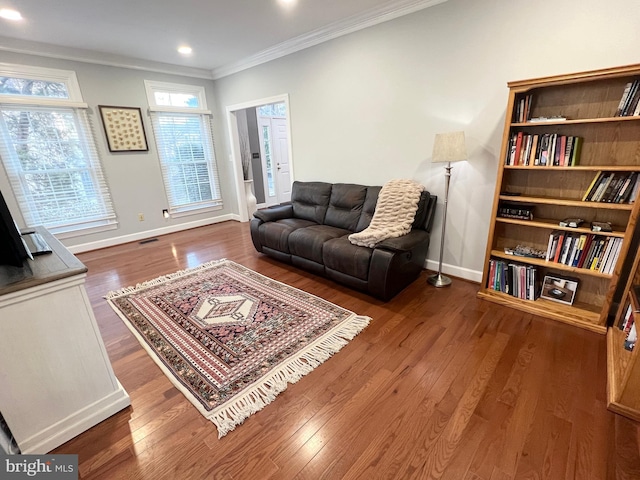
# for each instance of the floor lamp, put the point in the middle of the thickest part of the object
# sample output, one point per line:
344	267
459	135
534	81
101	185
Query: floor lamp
448	147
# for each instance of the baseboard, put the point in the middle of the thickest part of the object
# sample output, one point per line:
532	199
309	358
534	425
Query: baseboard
64	430
455	271
110	242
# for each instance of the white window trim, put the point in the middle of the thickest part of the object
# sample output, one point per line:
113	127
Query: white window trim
152	86
75	101
68	77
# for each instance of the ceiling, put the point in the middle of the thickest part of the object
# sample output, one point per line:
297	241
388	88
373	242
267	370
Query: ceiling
226	35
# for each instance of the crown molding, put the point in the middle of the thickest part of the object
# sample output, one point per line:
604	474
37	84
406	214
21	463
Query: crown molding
27	47
389	11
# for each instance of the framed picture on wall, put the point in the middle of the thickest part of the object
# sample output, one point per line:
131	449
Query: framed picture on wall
123	128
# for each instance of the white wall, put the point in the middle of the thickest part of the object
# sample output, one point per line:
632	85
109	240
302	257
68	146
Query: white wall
134	179
365	107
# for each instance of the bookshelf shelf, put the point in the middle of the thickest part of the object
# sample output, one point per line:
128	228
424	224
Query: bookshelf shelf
580	121
567	203
596	168
608	147
582	315
553	225
544	263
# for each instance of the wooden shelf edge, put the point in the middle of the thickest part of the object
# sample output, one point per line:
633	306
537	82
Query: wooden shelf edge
538	262
570	315
583	168
544	223
578	121
617	363
566	203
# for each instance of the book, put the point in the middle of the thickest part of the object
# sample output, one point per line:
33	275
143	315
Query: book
632	337
623	99
626	318
534	150
560	246
586	252
575	151
553	137
544	149
595	180
632	93
578	252
611	261
625	191
633	101
597	252
568	151
612	189
516	160
604	183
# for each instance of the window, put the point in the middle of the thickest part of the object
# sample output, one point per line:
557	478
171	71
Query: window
49	153
182	129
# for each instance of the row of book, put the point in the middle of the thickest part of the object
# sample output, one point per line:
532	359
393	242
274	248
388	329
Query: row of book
628	326
630	102
584	250
613	187
523	109
547	149
520	281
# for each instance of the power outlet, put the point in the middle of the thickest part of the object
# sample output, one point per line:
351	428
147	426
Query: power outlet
141	217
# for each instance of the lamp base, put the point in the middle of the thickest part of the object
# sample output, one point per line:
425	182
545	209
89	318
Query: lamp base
439	280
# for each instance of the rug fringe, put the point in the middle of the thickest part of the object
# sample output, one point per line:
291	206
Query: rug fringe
162	279
228	416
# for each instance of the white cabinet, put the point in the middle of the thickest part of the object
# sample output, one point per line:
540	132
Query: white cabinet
56	380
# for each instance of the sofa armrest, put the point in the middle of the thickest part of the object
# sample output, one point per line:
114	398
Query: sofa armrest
277	212
406	242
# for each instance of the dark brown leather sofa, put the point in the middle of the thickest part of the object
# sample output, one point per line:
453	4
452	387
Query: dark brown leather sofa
312	233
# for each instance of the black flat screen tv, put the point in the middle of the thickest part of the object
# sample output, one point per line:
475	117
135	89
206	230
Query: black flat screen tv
13	251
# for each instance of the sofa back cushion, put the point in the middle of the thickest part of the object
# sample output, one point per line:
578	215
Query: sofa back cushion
310	200
345	205
368	208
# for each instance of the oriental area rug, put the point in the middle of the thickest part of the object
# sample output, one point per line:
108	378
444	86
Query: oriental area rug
231	339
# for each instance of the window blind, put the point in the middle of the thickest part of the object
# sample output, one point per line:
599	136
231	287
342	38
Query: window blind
187	159
51	159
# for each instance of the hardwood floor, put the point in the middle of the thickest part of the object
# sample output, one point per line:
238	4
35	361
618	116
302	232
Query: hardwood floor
440	385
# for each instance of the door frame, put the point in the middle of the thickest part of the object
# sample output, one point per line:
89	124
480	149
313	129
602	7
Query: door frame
234	145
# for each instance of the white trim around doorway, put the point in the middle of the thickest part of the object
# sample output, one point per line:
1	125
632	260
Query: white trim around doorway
234	145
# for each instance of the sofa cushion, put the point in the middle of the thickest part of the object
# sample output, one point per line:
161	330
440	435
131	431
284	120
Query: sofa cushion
275	235
368	208
308	242
345	205
341	255
310	200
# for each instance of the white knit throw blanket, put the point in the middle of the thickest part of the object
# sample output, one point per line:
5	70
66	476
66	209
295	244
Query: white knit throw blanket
396	208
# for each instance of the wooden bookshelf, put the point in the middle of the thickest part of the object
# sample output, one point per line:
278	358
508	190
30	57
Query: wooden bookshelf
588	102
623	366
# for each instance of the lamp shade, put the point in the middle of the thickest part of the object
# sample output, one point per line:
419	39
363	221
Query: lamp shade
449	147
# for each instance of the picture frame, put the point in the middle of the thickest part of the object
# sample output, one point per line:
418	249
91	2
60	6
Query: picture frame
123	128
559	289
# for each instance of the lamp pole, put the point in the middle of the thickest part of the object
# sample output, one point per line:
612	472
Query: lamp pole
439	280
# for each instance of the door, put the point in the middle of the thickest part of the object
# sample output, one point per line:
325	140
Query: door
274	152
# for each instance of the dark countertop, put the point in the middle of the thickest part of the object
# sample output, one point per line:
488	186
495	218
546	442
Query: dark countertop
42	269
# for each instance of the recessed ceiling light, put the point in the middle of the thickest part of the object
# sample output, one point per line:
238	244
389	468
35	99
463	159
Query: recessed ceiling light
185	50
287	2
9	14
